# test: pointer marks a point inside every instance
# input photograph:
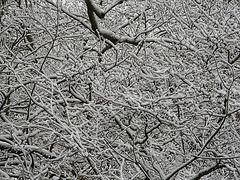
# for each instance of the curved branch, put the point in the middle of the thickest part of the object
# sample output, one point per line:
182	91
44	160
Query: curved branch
199	153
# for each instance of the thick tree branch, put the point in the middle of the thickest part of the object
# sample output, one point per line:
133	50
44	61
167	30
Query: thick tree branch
208	171
70	15
98	11
91	16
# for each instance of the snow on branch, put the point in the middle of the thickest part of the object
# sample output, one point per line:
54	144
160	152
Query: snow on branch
207	171
29	148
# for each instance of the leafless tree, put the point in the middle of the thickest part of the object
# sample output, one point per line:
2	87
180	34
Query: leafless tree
123	89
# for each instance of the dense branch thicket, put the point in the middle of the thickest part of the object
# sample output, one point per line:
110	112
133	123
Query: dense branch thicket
97	89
